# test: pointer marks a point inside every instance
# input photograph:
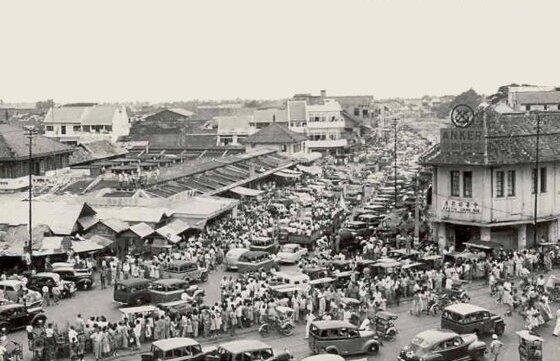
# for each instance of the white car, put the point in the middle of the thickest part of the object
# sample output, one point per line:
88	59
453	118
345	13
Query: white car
291	253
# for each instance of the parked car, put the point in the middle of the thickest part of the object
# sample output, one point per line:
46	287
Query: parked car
341	338
12	289
232	258
175	348
16	316
443	346
171	289
133	291
82	278
324	357
357	228
254	261
466	318
50	279
185	270
247	350
291	253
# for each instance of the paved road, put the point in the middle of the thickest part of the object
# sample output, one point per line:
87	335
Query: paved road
99	302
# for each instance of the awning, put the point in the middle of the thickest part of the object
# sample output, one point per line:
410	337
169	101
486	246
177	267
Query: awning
246	191
285	174
313	170
485	245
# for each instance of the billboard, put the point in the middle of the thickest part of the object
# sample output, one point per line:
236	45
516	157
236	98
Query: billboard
461	140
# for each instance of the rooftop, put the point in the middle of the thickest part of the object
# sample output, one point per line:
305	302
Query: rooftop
14	144
538	97
275	134
85	115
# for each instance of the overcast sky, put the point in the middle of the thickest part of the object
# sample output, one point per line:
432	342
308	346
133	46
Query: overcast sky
223	49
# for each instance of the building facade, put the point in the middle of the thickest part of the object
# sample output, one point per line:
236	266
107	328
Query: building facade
486	181
531	98
77	124
277	137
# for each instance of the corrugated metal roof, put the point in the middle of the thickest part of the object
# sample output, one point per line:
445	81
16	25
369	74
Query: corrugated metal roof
15	145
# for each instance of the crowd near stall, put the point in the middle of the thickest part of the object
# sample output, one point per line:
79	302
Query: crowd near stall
332	251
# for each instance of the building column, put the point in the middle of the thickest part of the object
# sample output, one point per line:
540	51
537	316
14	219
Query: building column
485	234
522	236
553	231
441	232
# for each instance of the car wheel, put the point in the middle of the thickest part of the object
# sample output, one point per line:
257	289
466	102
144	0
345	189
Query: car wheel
204	277
499	329
332	351
5	326
138	301
373	349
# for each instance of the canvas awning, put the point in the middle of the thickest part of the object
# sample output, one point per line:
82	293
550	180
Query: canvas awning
55	245
243	191
284	174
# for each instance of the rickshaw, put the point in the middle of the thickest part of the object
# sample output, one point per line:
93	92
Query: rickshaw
384	323
266	244
553	287
283	293
457	292
13	351
353	305
283	322
530	346
321	283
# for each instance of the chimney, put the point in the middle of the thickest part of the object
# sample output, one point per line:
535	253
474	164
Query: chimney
323	93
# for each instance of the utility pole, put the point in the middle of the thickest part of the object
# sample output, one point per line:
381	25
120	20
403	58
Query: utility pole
417	210
536	179
30	132
395	156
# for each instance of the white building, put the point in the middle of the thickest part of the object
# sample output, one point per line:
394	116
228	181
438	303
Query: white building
77	124
527	98
232	129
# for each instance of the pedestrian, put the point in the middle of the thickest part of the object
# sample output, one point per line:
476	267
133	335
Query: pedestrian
102	278
309	319
46	296
56	293
495	347
556	331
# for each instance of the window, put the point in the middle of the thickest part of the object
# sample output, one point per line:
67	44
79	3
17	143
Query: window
500	183
76	128
543	180
356	111
63	129
467	184
49	128
511	183
455	183
527	107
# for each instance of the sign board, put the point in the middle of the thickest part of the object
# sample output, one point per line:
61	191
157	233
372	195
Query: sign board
461	207
461	140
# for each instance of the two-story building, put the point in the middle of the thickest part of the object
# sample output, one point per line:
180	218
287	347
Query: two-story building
276	136
90	122
488	186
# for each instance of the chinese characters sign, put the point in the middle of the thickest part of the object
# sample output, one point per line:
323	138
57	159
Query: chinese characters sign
461	207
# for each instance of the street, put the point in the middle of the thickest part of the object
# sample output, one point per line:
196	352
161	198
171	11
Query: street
99	302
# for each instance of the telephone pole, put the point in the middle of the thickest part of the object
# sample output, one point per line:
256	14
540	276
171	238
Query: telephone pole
536	179
395	156
30	132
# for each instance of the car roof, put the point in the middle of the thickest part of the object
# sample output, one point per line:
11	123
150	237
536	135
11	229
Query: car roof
236	252
328	324
133	281
464	308
239	346
46	274
10	306
324	357
169	281
254	254
180	262
174	342
435	336
11	282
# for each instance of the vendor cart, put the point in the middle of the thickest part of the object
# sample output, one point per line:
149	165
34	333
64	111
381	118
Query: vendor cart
530	346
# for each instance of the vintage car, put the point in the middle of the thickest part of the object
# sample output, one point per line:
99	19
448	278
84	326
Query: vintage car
357	228
133	291
266	244
16	316
291	253
171	289
255	261
12	289
324	357
371	220
316	272
184	270
247	350
289	278
403	253
232	258
50	279
443	346
341	338
82	278
175	348
466	318
283	293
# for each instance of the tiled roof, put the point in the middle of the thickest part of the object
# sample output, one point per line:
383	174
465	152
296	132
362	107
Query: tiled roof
274	134
296	110
85	115
509	139
15	145
65	115
100	115
96	150
234	124
183	112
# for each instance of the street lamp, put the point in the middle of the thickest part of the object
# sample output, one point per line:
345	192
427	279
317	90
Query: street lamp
29	133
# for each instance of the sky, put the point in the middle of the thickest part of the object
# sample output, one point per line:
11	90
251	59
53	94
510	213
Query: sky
166	50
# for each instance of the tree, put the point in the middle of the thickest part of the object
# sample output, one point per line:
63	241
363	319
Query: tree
469	97
44	104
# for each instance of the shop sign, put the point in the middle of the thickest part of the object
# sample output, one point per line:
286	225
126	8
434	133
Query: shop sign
461	140
461	207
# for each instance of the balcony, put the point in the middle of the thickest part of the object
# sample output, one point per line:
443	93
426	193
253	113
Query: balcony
337	143
326	125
